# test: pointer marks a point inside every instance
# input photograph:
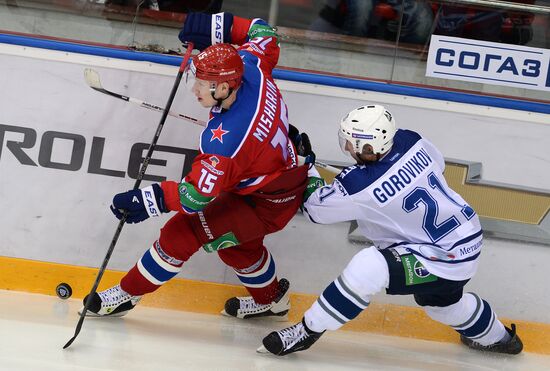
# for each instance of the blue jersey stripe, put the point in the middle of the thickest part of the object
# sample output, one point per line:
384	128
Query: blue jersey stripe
468	239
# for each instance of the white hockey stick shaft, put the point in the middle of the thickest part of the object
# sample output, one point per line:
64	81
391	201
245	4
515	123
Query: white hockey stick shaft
331	169
92	79
327	167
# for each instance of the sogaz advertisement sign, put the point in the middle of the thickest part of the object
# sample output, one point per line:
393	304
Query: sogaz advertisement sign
489	63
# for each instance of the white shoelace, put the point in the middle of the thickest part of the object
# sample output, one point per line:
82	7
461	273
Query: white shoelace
113	296
293	335
248	304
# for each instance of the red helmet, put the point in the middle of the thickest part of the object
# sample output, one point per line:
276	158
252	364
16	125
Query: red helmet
219	63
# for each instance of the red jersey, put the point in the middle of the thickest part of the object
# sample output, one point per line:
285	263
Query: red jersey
244	148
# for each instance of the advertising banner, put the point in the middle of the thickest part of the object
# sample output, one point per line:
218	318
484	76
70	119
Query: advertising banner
488	63
67	149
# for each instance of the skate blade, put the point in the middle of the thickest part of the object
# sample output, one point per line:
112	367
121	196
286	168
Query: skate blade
279	318
272	318
95	315
262	350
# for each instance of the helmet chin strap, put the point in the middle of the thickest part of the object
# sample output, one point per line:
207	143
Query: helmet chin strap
366	162
219	101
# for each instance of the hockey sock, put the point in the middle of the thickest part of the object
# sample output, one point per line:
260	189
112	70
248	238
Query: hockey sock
338	304
153	269
472	317
260	279
176	244
365	275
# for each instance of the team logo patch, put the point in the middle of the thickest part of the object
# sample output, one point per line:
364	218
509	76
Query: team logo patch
420	271
212	169
415	273
214	160
218	133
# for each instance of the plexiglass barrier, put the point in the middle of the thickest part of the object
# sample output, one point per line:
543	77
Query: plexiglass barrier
492	47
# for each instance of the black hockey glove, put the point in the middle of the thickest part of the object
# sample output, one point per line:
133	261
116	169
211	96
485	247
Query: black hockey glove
139	204
302	144
198	29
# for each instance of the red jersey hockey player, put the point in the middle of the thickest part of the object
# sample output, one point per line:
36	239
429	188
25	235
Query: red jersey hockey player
243	185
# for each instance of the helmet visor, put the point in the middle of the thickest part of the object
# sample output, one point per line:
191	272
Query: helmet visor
189	76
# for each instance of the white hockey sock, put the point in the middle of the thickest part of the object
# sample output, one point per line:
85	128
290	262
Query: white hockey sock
337	305
472	317
347	296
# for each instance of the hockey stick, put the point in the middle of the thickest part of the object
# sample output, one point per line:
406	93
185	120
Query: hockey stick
136	186
92	79
331	169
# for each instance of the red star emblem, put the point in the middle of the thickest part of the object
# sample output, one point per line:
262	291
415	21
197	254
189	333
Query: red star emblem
218	133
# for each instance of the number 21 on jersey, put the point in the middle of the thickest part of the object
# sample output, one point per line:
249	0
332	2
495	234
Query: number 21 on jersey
432	203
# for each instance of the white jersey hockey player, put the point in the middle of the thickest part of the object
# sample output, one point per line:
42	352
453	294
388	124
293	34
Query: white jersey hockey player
427	239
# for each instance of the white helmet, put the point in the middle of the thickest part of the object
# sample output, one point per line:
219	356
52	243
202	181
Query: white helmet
372	125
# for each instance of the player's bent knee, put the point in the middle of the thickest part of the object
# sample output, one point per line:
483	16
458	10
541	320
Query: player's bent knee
178	239
367	273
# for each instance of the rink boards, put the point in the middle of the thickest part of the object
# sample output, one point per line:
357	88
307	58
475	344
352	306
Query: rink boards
209	297
66	149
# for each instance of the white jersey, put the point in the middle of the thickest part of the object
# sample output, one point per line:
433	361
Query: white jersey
403	201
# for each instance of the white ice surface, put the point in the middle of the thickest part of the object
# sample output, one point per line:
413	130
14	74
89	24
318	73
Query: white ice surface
33	329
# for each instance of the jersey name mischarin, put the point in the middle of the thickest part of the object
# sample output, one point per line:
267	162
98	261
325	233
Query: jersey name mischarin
268	116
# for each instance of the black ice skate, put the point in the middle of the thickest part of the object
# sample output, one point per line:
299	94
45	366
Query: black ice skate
289	340
245	307
113	302
512	346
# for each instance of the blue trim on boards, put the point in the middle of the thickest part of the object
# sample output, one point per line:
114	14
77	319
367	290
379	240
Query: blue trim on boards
89	49
304	77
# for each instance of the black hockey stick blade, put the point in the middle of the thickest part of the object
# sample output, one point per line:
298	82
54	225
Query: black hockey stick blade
92	79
